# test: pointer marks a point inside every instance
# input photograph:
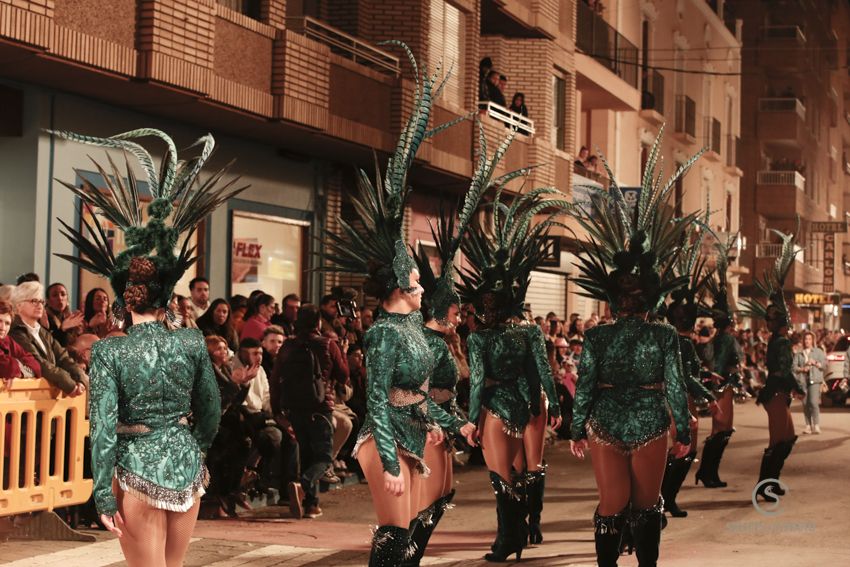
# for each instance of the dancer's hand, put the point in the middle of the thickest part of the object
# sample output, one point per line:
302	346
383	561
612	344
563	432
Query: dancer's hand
394	484
577	448
468	431
113	523
555	422
681	450
436	436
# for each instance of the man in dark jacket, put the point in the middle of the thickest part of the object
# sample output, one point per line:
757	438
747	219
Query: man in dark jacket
312	420
57	366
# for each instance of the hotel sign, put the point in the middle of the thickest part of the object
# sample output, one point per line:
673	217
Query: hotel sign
813	299
828	226
829	262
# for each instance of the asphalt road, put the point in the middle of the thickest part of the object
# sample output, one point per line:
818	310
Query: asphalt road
809	527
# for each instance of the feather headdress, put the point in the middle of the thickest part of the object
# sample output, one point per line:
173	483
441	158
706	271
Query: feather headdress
773	281
628	259
718	286
451	229
145	273
686	302
376	248
503	254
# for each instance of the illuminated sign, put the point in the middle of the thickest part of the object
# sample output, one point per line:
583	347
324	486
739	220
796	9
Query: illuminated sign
828	226
813	299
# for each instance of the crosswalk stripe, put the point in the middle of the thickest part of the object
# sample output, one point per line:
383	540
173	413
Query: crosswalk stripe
97	554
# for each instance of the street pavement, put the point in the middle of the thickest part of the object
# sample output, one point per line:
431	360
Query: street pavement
809	528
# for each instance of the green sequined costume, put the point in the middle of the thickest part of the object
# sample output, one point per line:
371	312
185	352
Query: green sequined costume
144	388
399	411
780	376
629	374
444	379
691	368
507	368
725	361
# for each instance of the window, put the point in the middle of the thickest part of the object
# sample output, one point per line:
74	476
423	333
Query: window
728	212
559	99
267	252
644	57
447	39
250	8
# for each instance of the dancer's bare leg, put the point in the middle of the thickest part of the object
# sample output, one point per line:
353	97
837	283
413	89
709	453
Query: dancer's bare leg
534	439
647	472
144	532
390	510
722	421
499	448
433	487
778	420
179	534
613	478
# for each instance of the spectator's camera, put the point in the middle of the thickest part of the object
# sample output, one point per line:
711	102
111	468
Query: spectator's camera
346	302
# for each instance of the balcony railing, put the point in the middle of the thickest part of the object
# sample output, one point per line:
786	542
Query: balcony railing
774	249
250	8
592	175
523	124
711	135
782	178
652	97
596	38
784	32
686	115
346	45
733	150
788	104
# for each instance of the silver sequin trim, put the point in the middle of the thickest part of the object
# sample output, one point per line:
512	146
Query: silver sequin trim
161	497
599	435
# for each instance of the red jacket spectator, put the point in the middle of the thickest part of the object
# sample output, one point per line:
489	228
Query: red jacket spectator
11	353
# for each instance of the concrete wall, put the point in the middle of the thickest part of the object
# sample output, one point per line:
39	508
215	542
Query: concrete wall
29	202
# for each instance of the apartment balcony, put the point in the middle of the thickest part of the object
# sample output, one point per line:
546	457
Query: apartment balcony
782	195
686	120
783	48
802	276
652	97
781	122
606	64
522	18
711	138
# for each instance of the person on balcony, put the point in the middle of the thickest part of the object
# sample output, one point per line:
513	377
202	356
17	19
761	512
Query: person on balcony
518	107
494	94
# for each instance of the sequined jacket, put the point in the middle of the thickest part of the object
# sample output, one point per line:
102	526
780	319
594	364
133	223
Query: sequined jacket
507	369
443	385
725	361
780	370
691	366
399	411
629	375
146	388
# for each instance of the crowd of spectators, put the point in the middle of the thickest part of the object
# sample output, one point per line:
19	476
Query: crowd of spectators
291	375
492	86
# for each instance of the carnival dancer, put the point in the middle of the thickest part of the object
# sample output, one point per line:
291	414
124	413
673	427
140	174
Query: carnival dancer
441	313
399	363
780	384
630	373
682	313
155	404
507	359
725	367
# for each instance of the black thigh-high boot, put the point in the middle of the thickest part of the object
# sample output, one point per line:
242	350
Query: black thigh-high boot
390	546
784	449
608	533
510	537
709	467
767	490
646	532
674	476
535	484
721	447
424	525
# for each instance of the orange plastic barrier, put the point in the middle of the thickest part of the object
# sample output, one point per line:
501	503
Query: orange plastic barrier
42	435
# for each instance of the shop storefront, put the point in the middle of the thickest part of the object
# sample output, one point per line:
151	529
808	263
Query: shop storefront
815	310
